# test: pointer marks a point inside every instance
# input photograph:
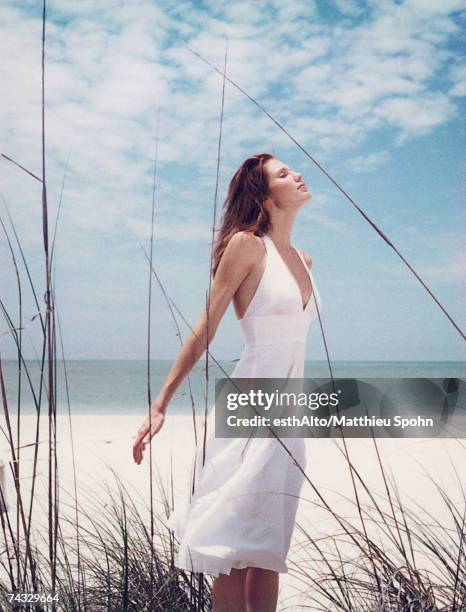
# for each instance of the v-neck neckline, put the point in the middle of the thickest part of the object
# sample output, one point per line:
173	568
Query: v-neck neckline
304	307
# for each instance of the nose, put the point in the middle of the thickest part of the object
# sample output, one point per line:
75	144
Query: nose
298	177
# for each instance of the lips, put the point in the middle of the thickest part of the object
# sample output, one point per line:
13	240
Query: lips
301	185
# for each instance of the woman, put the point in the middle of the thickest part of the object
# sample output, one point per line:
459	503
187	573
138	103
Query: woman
238	524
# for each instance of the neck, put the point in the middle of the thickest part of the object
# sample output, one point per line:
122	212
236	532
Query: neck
282	224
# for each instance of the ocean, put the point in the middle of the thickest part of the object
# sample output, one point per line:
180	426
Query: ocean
120	386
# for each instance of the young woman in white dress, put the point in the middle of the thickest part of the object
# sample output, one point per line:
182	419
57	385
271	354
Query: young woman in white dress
238	524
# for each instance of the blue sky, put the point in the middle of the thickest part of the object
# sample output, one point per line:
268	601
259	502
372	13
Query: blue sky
374	90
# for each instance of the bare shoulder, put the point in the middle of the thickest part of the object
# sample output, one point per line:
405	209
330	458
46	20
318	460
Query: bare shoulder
307	258
244	245
241	253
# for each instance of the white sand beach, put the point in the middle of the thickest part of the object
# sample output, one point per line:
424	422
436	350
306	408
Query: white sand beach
103	441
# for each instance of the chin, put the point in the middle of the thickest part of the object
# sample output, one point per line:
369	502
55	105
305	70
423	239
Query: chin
304	200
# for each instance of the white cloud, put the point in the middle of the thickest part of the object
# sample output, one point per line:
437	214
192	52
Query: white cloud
366	163
457	75
451	270
174	231
416	116
351	8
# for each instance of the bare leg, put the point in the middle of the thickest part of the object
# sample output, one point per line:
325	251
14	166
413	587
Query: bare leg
261	590
228	592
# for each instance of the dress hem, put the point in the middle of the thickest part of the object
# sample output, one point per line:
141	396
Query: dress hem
193	561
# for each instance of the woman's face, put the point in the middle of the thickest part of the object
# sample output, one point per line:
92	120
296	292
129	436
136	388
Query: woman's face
286	187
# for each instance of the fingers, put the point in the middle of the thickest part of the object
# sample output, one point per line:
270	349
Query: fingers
138	449
138	446
144	437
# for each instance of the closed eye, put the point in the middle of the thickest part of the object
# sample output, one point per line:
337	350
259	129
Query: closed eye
283	172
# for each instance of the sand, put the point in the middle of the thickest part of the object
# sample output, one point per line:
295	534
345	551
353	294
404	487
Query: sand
104	441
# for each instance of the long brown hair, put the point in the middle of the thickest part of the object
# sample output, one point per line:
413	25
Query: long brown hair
244	205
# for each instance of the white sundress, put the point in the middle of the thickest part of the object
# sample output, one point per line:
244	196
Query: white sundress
243	509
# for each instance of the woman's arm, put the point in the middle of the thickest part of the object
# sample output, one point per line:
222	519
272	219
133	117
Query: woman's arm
241	254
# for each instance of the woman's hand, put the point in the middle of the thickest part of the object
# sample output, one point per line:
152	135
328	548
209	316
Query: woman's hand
147	431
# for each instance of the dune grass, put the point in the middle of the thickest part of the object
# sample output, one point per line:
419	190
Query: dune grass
419	561
105	562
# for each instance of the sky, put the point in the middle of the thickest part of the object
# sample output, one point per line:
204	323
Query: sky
373	90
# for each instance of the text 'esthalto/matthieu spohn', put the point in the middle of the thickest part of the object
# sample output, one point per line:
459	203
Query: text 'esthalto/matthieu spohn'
330	421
